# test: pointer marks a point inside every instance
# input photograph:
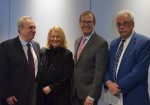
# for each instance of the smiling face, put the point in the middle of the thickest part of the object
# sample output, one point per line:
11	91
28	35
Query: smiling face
125	25
87	24
27	29
55	39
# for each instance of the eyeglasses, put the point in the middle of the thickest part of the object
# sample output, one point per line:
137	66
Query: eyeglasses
124	24
86	22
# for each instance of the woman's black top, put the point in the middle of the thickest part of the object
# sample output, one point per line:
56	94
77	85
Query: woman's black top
56	68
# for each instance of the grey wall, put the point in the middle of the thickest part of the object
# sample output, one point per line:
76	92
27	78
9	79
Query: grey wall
46	13
106	10
4	20
65	13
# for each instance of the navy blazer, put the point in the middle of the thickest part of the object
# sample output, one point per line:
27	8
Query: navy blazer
132	76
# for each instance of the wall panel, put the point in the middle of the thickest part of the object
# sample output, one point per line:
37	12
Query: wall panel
47	13
4	20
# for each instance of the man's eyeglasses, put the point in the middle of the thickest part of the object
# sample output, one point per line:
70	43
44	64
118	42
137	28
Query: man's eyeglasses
124	24
86	22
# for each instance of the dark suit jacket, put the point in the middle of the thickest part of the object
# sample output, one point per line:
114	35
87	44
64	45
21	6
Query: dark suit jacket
90	67
15	79
133	72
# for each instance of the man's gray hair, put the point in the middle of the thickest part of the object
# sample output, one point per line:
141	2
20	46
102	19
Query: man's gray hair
21	19
126	12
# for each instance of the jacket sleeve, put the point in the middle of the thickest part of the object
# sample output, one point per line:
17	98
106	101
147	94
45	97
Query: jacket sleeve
5	84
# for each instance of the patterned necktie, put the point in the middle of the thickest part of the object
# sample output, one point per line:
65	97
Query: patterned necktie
31	64
82	44
117	57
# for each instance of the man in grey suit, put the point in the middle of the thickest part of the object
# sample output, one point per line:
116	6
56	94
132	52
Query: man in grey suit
91	57
17	76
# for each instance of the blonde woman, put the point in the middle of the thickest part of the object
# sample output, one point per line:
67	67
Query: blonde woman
56	70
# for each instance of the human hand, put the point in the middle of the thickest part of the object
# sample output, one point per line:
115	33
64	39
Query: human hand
88	101
46	90
11	100
113	87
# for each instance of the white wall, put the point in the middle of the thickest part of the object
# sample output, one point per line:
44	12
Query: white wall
65	13
47	13
106	10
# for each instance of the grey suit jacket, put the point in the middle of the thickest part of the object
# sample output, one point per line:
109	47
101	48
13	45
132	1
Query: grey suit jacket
90	67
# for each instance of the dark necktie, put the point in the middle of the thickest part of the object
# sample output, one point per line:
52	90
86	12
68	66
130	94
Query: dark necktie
117	57
31	62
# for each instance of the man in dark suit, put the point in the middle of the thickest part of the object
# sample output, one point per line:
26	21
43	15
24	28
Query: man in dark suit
127	76
90	62
17	81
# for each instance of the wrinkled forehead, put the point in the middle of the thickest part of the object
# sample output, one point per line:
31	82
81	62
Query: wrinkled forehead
28	22
123	18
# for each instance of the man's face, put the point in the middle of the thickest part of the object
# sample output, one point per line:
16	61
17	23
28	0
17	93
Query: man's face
27	30
125	26
87	24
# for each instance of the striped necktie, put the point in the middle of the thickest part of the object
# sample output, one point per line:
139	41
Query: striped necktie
117	57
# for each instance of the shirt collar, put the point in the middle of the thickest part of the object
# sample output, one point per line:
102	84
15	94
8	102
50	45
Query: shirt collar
88	36
129	38
24	43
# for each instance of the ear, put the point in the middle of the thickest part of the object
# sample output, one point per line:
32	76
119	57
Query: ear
133	24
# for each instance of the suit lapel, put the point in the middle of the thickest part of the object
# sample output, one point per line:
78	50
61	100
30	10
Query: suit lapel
87	46
76	48
20	51
127	51
36	50
129	47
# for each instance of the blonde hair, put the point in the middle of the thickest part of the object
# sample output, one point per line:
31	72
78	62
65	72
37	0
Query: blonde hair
60	31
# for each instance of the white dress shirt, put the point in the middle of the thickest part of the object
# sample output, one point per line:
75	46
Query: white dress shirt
25	48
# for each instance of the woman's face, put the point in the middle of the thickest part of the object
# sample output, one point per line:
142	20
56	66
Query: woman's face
55	39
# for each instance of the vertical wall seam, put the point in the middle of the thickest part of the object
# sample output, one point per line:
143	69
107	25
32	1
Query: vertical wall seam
9	21
90	5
